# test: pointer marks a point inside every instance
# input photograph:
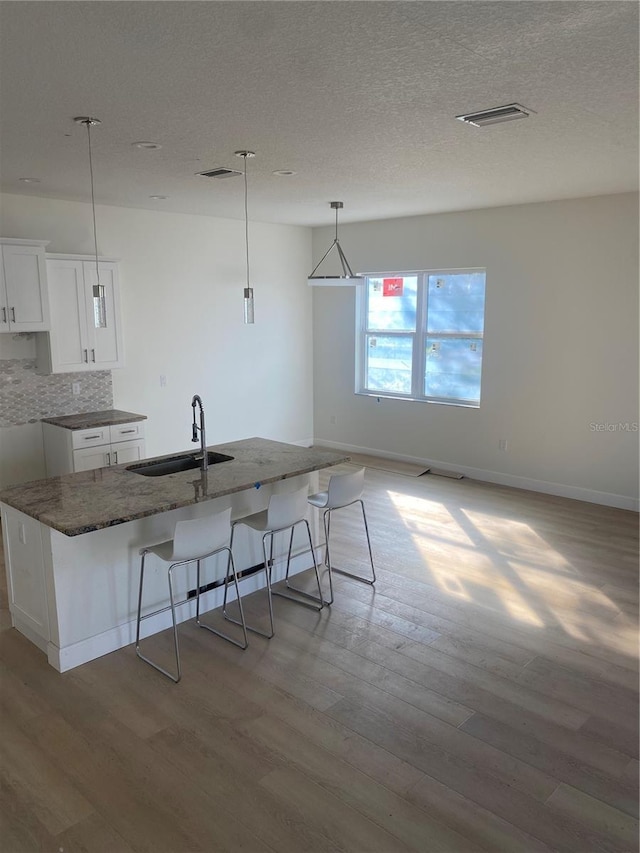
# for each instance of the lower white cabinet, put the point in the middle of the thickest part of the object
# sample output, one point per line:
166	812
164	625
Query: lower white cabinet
88	458
67	451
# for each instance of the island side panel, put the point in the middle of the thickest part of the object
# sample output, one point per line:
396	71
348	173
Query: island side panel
95	576
25	567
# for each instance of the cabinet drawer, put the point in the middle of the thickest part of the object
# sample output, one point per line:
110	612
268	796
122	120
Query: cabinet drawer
126	432
90	437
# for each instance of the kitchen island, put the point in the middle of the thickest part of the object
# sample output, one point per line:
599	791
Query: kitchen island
71	542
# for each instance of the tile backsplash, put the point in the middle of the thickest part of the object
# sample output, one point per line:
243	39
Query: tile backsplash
26	397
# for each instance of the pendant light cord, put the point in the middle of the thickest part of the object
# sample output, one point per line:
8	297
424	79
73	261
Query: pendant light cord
246	217
93	202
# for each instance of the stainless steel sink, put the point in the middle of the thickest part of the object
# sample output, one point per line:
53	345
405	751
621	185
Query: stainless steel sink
175	464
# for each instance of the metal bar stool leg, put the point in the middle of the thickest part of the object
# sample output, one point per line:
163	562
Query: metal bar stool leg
268	565
366	530
175	624
198	591
139	619
242	623
326	521
355	577
174	678
326	537
315	602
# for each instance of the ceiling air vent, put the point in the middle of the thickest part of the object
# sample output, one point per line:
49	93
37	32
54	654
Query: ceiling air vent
496	115
220	172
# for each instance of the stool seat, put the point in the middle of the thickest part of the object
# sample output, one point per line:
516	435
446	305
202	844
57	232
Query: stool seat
319	500
343	491
164	550
193	541
284	512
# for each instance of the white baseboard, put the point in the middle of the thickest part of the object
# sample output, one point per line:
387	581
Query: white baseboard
303	442
68	657
543	486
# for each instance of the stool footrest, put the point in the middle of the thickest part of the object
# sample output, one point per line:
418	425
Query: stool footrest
156	666
369	581
238	643
314	602
164	609
248	627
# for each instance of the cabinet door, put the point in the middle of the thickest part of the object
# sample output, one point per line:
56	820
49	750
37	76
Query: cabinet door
89	458
105	343
69	344
25	279
127	451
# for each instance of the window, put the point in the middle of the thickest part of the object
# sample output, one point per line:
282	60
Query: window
420	336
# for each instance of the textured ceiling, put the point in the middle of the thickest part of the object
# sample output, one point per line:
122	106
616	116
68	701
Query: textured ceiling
359	98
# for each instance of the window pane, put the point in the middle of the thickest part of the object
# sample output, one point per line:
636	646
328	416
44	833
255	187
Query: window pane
392	303
389	361
453	368
456	302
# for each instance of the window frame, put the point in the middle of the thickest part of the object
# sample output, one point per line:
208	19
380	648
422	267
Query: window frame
418	336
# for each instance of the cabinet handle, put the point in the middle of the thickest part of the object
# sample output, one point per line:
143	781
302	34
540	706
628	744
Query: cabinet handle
89	437
126	431
108	459
115	453
86	355
93	356
13	314
4	315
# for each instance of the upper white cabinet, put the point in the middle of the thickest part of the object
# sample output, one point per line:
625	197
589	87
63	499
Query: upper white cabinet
77	341
24	301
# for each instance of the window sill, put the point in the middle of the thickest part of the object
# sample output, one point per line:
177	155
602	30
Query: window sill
458	403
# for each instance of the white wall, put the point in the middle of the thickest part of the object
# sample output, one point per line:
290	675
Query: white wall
560	352
181	289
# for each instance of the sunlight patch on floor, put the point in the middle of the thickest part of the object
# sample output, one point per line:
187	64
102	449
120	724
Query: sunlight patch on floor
476	578
514	538
503	564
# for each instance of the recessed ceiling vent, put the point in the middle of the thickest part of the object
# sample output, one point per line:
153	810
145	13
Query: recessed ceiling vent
220	172
510	112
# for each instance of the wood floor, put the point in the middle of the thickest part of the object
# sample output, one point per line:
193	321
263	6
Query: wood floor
483	697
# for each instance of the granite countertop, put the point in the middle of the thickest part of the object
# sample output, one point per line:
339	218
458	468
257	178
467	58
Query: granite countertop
92	500
90	420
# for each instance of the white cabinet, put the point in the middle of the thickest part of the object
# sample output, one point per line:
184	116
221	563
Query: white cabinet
24	299
77	342
68	451
88	458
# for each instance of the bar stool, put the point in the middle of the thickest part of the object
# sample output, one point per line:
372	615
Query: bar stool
193	541
343	490
284	512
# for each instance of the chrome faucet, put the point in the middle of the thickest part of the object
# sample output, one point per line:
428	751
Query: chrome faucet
194	430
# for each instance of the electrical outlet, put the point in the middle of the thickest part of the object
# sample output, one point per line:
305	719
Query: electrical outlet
333	420
163	381
502	444
75	388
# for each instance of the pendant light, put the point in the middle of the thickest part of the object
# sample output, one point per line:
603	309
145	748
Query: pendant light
347	277
248	290
99	301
